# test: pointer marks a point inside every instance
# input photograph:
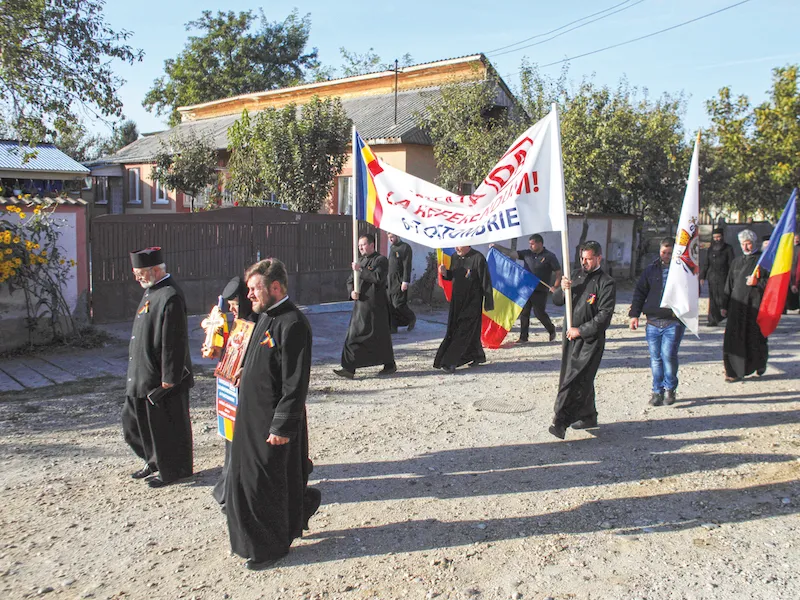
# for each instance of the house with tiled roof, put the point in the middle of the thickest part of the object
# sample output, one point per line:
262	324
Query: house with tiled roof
385	108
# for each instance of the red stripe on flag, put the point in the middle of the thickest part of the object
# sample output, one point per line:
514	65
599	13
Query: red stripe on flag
377	213
772	303
492	334
374	167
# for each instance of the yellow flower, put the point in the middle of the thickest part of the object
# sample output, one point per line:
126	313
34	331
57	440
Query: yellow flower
72	263
17	261
22	215
36	246
8	250
36	211
16	240
44	253
62	261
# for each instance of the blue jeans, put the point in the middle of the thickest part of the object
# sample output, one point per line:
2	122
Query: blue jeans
664	342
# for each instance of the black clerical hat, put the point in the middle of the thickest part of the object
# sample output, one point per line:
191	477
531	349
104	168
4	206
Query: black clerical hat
718	230
234	289
146	257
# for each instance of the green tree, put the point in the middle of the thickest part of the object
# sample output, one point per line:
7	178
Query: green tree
123	134
187	164
777	131
295	153
228	58
56	59
77	143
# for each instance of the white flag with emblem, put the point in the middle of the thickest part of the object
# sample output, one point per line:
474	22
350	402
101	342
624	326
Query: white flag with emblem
682	290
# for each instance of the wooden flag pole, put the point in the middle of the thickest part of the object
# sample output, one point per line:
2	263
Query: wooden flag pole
565	231
354	210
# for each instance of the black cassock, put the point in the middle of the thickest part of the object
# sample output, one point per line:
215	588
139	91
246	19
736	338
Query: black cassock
159	351
266	485
400	259
744	349
715	270
369	341
594	296
472	291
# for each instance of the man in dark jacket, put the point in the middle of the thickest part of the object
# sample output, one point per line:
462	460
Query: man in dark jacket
544	265
715	270
594	295
400	259
155	416
664	330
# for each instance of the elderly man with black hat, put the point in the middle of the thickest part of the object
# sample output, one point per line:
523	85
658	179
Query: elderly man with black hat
155	417
715	270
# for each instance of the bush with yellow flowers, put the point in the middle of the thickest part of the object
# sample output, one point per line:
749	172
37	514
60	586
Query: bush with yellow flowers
31	260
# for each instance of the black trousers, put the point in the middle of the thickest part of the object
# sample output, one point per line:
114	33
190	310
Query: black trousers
537	303
401	316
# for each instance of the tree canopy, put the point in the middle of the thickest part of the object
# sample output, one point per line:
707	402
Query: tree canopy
57	59
294	153
622	152
233	54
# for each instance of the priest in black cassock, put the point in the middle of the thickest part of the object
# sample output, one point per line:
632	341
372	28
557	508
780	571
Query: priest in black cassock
594	295
155	416
400	260
715	270
472	292
368	342
268	501
744	349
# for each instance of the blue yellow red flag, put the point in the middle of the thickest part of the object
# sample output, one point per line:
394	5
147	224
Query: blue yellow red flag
443	258
366	167
777	259
512	286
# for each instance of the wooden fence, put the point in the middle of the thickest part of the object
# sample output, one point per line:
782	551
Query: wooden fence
204	250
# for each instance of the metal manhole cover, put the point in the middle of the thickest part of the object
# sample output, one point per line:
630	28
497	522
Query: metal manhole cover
504	405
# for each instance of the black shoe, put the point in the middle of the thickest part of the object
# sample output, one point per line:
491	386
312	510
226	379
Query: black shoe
669	397
760	372
589	423
552	335
387	370
344	373
558	430
449	369
263	565
156	482
657	399
522	340
477	362
144	472
311	505
412	324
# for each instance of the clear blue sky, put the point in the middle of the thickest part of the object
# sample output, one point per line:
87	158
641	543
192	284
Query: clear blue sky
737	48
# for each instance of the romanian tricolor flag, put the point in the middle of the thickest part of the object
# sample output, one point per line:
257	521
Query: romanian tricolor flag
443	258
365	167
512	286
777	259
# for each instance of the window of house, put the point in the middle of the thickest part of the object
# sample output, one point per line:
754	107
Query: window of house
133	187
161	193
101	191
344	192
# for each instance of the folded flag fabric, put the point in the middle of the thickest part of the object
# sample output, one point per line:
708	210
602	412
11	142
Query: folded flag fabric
512	286
777	259
443	258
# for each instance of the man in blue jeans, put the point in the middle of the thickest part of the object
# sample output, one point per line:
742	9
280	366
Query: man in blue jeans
664	330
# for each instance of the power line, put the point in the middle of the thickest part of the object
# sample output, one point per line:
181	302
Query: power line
567	31
711	14
557	28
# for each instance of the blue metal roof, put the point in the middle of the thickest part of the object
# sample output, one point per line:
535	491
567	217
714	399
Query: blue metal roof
48	159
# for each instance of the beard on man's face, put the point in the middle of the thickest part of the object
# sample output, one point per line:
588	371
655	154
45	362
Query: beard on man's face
269	301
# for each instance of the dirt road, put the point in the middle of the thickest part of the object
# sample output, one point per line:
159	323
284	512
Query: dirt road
436	486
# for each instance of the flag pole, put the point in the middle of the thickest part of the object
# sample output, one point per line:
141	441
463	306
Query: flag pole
354	210
565	231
